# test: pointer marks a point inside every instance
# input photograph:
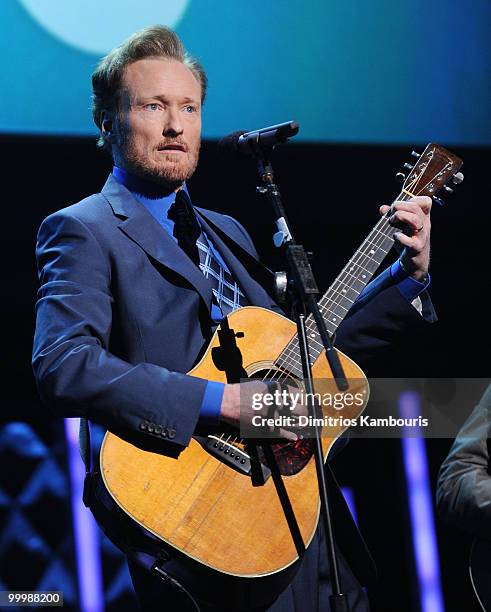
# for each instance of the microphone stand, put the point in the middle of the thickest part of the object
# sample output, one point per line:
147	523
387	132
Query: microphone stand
305	291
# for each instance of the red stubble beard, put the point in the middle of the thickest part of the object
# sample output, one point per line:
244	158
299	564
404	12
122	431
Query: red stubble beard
167	168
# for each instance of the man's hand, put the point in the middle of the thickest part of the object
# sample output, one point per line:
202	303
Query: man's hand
237	406
413	215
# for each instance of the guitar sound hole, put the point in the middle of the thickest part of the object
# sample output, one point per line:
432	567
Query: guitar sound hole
291	457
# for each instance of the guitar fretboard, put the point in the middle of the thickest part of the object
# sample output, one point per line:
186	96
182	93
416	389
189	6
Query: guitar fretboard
341	295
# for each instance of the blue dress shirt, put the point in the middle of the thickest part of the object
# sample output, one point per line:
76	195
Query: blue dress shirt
407	285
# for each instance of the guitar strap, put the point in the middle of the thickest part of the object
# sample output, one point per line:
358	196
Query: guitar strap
84	444
85	449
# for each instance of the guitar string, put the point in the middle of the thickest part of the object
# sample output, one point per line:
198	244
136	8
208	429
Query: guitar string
333	308
291	356
405	195
331	302
289	353
376	239
327	305
278	373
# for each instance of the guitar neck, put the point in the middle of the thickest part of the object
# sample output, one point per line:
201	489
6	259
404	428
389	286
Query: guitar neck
435	166
341	295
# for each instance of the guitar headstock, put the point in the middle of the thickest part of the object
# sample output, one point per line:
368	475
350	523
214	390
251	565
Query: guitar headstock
431	172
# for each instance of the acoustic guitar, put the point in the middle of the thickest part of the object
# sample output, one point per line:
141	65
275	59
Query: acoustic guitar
203	506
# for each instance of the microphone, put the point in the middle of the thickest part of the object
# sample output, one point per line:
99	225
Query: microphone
250	143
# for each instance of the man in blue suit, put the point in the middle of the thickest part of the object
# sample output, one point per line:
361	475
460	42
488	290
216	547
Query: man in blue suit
134	280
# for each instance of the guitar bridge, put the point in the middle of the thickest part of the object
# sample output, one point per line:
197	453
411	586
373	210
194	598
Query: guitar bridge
231	455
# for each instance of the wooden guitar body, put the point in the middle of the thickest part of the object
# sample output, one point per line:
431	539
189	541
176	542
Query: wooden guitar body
203	508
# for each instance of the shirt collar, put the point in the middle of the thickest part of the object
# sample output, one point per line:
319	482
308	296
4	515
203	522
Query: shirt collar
152	195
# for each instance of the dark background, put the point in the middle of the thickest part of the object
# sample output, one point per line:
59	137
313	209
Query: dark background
332	194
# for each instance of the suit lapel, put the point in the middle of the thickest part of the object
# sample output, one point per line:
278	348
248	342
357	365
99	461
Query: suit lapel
139	225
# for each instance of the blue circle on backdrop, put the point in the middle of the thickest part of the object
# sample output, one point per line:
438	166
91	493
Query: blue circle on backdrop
96	27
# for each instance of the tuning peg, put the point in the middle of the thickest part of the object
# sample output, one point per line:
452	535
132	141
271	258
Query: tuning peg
457	178
438	201
414	154
408	166
448	189
401	177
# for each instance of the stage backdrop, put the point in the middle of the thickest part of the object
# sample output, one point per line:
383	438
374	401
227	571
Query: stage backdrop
370	71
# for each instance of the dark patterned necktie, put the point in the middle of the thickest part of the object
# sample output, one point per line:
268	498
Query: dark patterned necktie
225	290
186	226
194	243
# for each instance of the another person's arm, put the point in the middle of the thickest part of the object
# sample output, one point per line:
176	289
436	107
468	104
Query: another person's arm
464	484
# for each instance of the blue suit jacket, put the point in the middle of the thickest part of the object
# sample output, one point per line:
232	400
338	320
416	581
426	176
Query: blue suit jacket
122	314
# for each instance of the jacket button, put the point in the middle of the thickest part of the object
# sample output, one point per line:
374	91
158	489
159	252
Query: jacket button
150	428
158	430
143	426
171	433
164	432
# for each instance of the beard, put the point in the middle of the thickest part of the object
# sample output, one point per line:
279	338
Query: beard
165	168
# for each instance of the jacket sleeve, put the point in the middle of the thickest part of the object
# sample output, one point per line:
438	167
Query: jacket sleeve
76	374
464	484
379	320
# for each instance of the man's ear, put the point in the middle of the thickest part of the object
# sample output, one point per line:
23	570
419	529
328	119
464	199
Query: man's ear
107	127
